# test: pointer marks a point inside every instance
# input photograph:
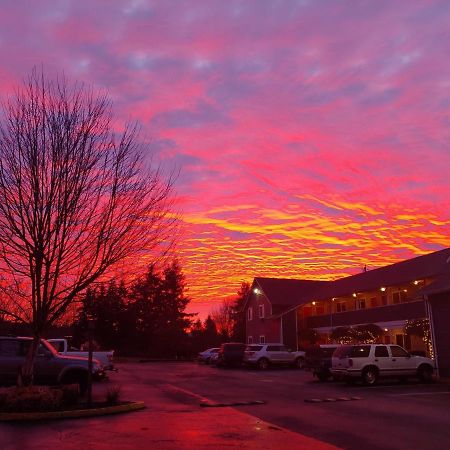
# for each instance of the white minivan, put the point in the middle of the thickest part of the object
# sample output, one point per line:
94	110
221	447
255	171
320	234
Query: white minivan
370	362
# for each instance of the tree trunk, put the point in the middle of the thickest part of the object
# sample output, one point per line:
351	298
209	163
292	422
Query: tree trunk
25	376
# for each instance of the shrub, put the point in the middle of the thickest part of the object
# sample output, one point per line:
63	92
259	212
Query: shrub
32	398
70	394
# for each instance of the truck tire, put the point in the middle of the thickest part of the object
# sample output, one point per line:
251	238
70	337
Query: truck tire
370	376
263	364
425	373
322	376
300	362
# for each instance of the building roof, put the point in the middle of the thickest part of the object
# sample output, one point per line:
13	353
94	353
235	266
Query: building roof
284	291
426	266
287	293
440	285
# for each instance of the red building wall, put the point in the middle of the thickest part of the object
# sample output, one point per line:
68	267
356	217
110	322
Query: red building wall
257	326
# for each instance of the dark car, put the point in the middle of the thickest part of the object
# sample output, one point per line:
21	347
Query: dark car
318	360
231	354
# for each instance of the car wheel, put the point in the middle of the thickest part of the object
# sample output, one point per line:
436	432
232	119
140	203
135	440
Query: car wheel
425	374
370	376
263	364
322	376
299	363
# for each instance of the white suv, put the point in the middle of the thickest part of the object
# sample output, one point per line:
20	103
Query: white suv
372	361
264	355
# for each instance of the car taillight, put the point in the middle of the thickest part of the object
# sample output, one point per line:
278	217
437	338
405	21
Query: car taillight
110	357
350	362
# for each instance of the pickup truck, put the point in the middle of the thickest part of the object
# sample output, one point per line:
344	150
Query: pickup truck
265	355
62	347
318	360
50	367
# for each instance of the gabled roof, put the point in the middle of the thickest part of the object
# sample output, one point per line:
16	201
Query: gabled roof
287	293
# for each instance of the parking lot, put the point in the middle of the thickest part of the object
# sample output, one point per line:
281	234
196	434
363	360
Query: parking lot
387	416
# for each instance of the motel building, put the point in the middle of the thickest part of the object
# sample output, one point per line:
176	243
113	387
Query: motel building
290	311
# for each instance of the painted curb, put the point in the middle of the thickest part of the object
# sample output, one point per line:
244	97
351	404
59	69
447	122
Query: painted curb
72	414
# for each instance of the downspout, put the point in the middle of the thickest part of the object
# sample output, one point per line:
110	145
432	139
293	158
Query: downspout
429	311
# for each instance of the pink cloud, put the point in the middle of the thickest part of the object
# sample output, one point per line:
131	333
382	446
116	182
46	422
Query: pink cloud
312	137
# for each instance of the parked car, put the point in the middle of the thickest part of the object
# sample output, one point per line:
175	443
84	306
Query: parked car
206	355
231	354
370	362
50	367
106	358
265	355
214	359
318	360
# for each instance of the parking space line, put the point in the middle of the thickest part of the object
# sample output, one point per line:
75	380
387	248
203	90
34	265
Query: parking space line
420	393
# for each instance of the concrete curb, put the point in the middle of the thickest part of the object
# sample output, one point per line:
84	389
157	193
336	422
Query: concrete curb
72	414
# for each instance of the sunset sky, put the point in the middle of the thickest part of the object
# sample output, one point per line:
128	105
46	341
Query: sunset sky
313	137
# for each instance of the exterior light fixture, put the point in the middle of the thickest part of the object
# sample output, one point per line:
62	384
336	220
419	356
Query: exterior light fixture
333	299
256	291
416	282
382	289
385	329
314	303
405	290
354	294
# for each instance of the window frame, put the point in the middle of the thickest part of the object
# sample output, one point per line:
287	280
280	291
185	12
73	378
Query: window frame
261	311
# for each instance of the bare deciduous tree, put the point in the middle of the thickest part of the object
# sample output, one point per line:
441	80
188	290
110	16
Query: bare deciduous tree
76	198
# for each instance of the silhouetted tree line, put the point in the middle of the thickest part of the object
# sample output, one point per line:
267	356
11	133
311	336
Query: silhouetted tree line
148	318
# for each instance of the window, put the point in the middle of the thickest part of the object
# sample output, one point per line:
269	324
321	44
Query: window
250	314
398	352
9	347
261	311
262	339
381	351
273	348
250	340
373	302
399	340
399	297
387	339
360	351
361	303
384	301
341	307
253	348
